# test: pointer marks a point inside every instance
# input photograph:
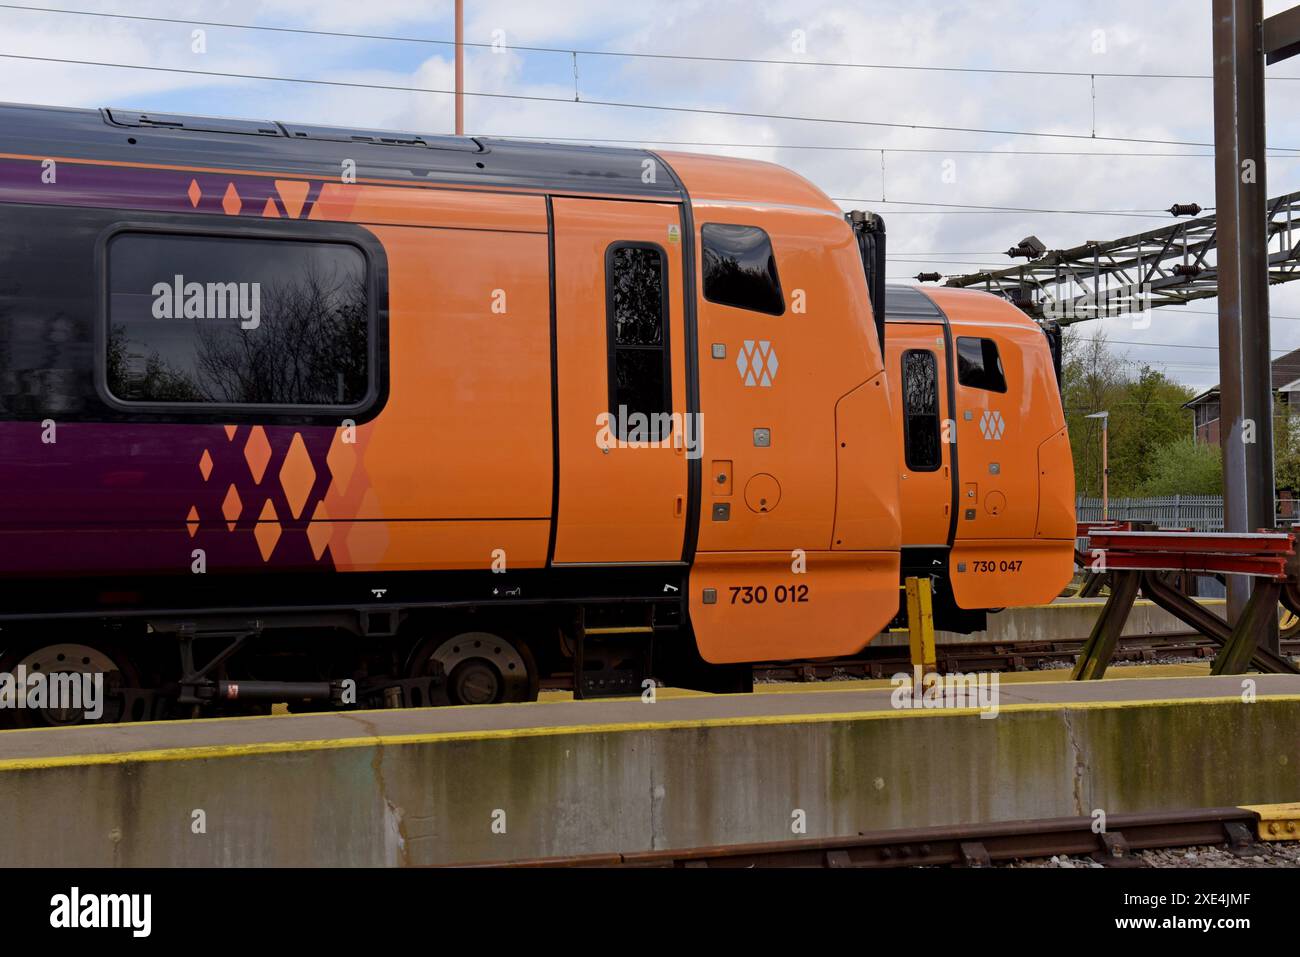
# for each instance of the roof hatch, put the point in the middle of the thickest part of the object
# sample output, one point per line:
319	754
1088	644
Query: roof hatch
200	124
381	137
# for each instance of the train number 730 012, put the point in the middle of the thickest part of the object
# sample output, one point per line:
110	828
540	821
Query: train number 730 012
759	594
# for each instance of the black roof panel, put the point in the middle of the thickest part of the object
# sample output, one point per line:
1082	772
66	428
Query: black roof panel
908	304
173	140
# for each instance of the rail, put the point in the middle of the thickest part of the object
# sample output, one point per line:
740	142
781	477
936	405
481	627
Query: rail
967	845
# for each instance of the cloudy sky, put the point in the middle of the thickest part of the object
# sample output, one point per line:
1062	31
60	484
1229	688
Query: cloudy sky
1104	36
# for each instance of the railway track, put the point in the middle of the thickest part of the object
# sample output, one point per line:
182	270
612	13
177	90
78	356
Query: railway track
974	845
996	656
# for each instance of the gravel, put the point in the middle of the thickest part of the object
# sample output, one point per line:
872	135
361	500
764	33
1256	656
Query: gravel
1263	854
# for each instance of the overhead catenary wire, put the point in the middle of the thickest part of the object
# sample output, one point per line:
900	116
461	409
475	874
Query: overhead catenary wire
1165	345
1212	312
869	149
946	208
629	54
616	104
1144	213
935	261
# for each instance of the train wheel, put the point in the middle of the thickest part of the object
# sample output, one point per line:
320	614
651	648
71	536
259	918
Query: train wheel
1288	623
67	658
481	668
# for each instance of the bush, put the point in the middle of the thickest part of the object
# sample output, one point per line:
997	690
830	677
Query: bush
1185	467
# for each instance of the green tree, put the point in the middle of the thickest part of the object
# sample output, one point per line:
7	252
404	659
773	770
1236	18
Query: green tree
1185	467
1146	414
1149	416
1286	448
1092	378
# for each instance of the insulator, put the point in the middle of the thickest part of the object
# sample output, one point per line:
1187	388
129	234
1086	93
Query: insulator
1031	247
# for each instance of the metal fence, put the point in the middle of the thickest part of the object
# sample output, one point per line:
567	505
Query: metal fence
1203	513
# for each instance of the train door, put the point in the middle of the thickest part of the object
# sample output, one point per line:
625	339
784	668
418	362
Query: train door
1007	410
620	365
918	362
998	489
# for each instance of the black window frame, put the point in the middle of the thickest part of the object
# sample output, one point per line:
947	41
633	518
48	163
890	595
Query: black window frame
612	346
776	277
1001	368
268	413
908	416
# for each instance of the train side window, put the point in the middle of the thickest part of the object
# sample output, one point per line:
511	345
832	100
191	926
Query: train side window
204	321
636	310
921	442
979	365
740	268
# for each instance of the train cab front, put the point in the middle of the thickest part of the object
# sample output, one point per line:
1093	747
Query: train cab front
988	477
797	549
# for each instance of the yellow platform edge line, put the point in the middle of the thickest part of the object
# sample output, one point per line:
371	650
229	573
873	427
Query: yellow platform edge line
205	752
1113	673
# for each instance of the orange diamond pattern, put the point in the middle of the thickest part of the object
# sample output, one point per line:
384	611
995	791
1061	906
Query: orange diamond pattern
195	194
257	452
231	507
342	459
293	193
231	202
297	475
268	530
319	531
366	541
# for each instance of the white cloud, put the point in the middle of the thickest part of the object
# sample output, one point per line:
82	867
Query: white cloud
1009	34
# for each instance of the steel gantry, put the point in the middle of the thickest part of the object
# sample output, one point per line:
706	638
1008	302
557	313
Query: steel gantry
1169	266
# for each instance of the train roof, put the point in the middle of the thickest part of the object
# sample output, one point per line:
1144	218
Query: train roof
132	136
952	305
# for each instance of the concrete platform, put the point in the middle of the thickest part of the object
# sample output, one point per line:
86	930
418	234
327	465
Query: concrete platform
453	785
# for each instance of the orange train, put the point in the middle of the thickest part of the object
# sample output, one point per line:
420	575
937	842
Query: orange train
986	475
348	417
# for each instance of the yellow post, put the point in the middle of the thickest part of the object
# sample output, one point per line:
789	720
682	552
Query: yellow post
920	624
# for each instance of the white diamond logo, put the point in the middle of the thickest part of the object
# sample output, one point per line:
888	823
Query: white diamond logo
757	363
992	425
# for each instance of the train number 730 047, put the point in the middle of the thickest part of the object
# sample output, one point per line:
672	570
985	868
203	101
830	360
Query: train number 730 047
1006	565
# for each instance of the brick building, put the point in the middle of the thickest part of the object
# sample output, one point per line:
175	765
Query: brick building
1286	396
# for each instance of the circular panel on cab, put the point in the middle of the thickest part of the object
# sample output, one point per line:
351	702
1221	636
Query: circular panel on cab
762	493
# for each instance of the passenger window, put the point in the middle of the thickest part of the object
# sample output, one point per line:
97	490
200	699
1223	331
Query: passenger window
921	440
207	320
740	268
636	281
979	366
